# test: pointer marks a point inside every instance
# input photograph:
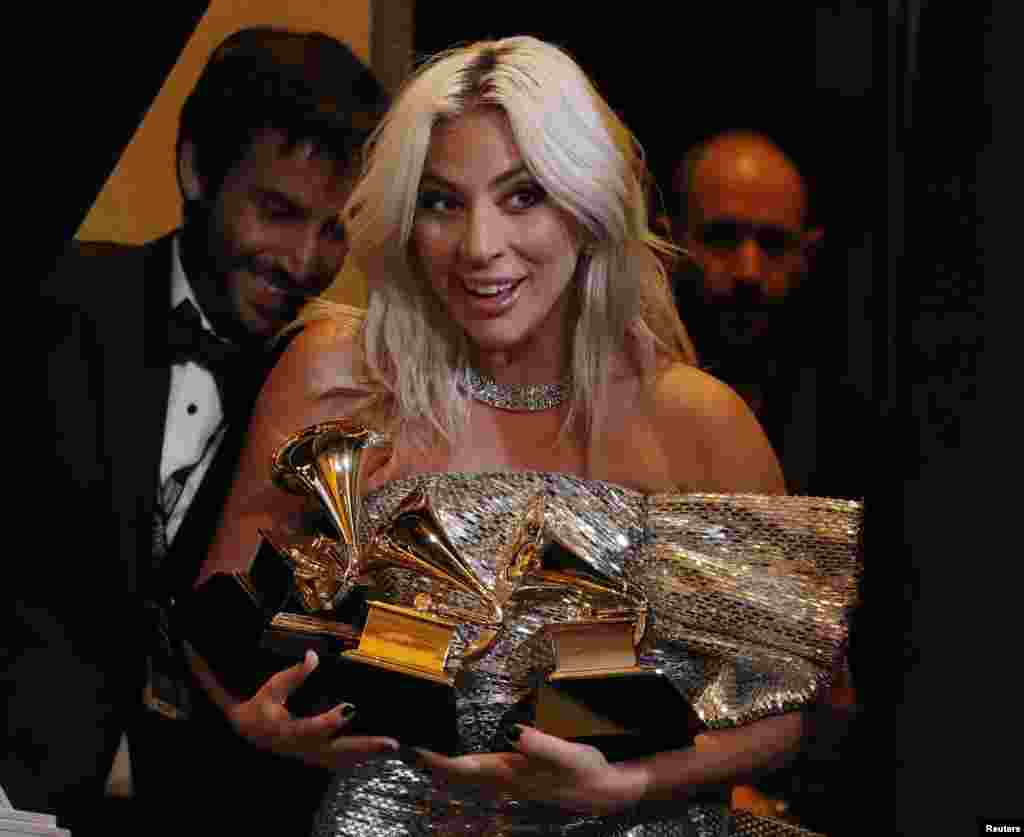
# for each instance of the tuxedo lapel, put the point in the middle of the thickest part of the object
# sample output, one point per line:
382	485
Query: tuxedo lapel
157	382
157	307
136	385
193	540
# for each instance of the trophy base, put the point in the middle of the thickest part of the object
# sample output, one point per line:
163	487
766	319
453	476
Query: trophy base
224	621
627	713
290	636
405	641
416	711
398	668
382	691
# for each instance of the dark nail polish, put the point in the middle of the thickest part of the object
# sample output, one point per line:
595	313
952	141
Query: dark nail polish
512	732
347	711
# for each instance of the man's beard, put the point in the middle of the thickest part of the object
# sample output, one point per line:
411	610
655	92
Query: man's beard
737	336
208	261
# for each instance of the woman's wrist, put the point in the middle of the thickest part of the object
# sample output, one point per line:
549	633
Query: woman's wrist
637	782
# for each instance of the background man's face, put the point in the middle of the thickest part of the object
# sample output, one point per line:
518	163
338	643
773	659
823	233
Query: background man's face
746	232
274	235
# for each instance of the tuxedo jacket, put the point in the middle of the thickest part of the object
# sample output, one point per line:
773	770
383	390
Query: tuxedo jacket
74	666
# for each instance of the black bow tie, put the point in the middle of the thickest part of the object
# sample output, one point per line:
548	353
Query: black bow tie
188	340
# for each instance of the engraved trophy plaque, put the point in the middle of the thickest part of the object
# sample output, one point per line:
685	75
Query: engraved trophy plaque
417	640
598	693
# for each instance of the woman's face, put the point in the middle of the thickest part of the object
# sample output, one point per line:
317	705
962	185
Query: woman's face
496	250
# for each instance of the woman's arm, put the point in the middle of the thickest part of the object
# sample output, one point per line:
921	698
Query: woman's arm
578	778
313	382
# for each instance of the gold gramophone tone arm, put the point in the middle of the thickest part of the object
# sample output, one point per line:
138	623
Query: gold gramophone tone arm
415	540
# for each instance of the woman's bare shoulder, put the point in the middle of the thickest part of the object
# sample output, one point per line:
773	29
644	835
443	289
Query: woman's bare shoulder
680	391
318	377
694	409
324	357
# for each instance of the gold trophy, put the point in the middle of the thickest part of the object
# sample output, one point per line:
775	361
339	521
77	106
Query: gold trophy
598	693
323	461
417	640
406	643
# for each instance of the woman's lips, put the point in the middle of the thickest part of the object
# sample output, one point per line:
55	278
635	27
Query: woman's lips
491	296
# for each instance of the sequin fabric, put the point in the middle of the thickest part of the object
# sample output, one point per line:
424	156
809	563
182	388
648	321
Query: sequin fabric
749	601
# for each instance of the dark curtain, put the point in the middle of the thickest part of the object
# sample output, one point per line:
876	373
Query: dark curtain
929	583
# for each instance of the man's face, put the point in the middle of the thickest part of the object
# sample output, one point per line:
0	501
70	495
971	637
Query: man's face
274	237
746	231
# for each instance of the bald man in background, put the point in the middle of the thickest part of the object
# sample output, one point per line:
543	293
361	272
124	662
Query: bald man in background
745	223
761	322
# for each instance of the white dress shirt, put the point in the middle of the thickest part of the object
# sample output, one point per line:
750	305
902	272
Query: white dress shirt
195	424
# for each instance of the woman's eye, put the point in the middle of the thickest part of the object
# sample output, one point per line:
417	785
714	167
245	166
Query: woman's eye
437	202
526	197
277	209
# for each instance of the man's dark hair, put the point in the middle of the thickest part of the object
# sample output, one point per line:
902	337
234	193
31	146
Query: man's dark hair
305	85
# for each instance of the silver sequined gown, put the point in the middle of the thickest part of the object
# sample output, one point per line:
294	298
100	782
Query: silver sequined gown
749	599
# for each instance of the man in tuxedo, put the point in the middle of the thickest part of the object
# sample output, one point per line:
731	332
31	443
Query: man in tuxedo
155	356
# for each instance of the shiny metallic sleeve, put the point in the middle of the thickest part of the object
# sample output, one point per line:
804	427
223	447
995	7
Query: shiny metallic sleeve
758	589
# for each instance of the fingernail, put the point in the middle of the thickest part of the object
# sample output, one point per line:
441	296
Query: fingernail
512	732
347	710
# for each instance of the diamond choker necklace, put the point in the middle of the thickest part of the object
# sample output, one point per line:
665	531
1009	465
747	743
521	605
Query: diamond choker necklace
524	398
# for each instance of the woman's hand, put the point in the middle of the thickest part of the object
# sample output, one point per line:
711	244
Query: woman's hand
576	777
265	721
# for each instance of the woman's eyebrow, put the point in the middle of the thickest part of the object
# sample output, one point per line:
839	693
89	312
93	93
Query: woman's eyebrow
501	179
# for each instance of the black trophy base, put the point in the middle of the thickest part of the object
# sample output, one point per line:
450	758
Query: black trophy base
416	712
229	623
625	716
223	623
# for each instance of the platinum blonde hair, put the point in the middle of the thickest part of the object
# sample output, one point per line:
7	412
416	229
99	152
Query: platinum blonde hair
589	164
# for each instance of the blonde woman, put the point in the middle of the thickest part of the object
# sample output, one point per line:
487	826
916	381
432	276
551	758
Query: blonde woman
519	322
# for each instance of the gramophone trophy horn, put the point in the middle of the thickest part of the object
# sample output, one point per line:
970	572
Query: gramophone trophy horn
597	685
606	618
417	640
323	461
